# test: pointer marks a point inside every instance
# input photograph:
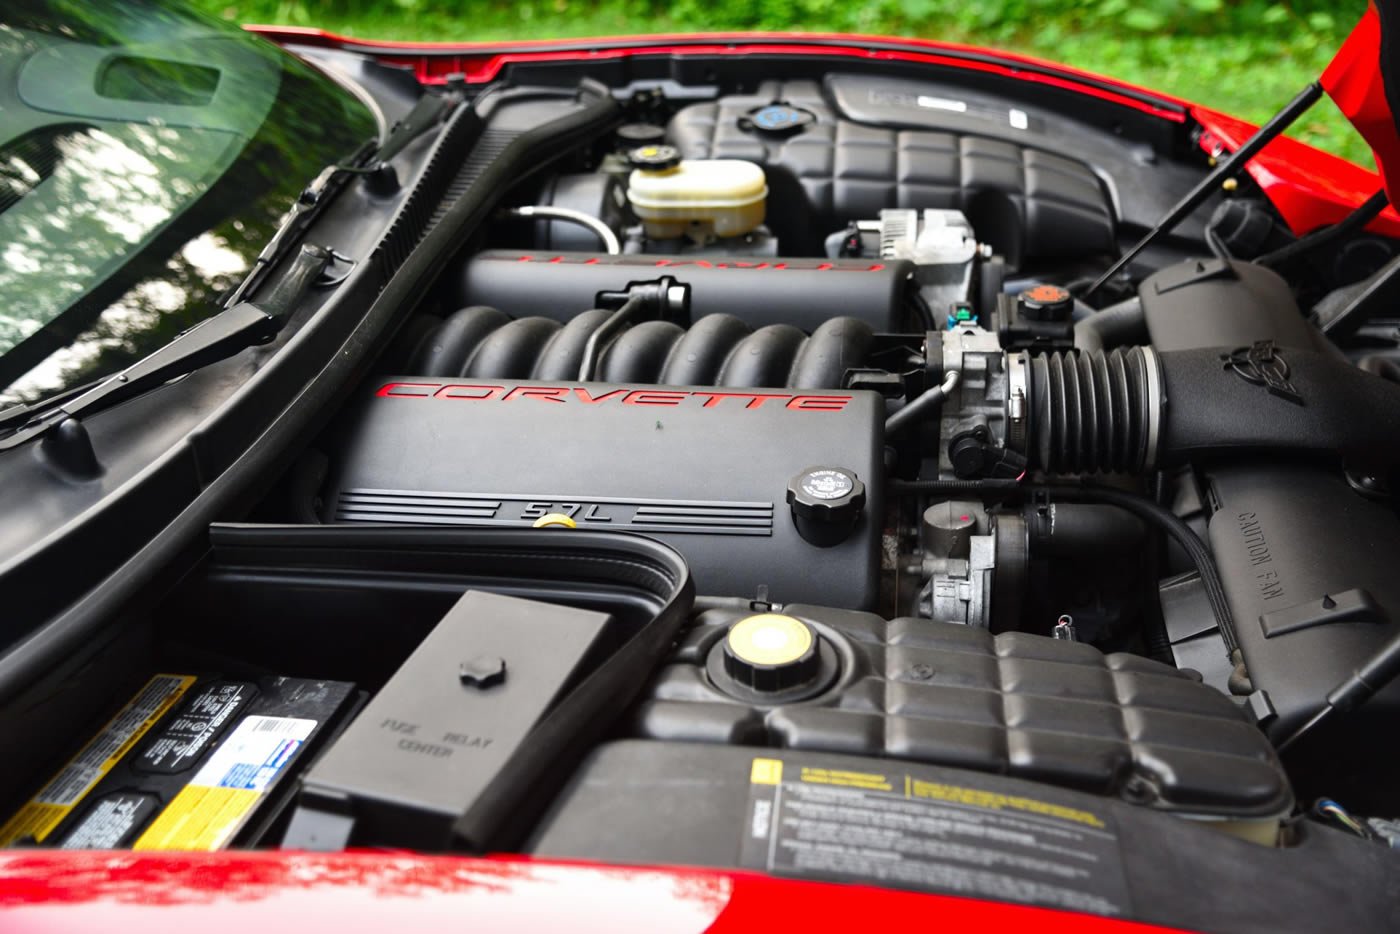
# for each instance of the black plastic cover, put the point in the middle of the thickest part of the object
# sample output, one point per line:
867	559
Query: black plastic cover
704	470
1285	537
430	742
1025	201
1055	711
1205	303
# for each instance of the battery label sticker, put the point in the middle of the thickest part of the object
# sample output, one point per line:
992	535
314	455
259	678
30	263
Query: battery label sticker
47	809
217	801
110	821
899	831
182	739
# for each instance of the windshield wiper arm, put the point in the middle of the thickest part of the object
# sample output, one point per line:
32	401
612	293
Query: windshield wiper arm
234	329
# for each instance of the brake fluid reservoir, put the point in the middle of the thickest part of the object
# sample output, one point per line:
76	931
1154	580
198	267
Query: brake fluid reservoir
673	196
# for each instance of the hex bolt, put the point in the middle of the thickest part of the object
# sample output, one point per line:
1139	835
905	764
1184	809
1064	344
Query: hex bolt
483	671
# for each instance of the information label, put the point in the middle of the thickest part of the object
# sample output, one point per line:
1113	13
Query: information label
899	831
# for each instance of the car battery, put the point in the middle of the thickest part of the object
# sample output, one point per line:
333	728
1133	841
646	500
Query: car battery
190	762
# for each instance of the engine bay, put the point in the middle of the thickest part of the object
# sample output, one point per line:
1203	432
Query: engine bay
922	510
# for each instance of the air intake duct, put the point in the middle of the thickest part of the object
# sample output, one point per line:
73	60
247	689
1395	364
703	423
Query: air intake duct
1091	412
1129	410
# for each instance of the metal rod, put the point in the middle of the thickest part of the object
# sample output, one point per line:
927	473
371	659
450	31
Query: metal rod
569	215
1207	186
928	401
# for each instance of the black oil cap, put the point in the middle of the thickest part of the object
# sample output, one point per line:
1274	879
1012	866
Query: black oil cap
771	652
826	504
1046	303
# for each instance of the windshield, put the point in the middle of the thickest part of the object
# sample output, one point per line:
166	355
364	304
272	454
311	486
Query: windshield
147	155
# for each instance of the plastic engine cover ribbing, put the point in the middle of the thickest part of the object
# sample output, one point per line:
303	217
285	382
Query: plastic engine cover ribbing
717	350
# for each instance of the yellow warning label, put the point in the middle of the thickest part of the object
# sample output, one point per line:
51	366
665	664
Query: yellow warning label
47	809
766	772
199	818
993	801
846	779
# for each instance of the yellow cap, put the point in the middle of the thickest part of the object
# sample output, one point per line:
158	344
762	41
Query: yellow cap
770	639
555	520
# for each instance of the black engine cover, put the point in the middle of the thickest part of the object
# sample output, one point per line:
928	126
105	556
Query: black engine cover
701	468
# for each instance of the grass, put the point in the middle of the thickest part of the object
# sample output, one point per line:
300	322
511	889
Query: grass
1248	58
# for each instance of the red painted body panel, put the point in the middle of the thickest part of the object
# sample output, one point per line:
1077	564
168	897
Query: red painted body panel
50	892
1309	187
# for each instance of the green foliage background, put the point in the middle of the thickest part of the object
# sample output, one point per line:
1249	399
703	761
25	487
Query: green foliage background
1246	57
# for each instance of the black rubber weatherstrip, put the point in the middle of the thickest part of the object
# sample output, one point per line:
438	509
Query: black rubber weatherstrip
540	563
66	634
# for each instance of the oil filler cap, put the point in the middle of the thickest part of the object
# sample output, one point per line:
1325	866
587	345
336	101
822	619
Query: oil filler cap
771	652
826	504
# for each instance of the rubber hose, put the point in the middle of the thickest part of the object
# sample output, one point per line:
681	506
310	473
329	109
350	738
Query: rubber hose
1089	412
1115	326
926	402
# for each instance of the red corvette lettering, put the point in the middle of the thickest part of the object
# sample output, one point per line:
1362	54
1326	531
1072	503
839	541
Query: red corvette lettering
580	395
588	397
755	399
801	265
412	390
818	403
653	397
534	392
457	391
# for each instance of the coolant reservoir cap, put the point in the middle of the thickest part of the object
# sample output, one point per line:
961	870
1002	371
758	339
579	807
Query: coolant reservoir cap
826	503
777	119
771	652
1046	303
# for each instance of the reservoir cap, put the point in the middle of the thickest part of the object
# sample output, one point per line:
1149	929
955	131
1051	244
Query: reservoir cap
771	652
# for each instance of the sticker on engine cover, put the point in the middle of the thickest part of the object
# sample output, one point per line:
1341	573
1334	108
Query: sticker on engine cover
47	809
226	789
898	831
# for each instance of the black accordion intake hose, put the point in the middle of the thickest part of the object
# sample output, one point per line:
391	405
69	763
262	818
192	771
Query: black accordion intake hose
1090	412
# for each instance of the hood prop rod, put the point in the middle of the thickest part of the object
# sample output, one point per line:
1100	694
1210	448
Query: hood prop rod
1211	183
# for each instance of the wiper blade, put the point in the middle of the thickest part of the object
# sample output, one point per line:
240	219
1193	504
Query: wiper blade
234	329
